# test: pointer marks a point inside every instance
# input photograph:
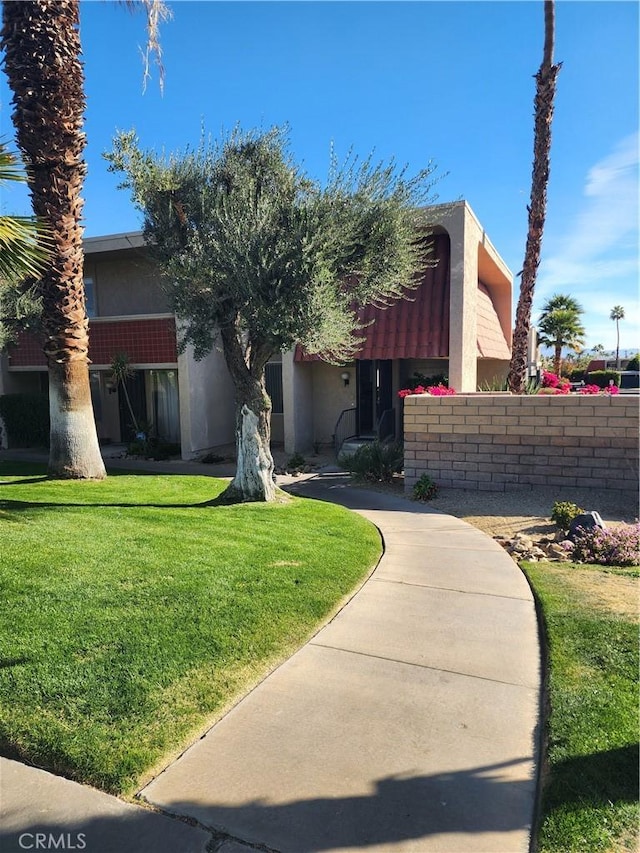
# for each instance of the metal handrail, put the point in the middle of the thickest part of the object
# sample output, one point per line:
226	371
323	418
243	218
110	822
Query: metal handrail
386	425
345	428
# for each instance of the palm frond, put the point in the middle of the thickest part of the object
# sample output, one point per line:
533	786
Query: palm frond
23	240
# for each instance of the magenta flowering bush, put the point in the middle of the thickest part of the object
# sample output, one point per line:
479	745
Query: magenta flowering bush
435	391
553	384
614	546
596	389
440	390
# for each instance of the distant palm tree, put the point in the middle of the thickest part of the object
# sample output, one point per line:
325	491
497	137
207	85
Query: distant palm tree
543	103
617	314
560	326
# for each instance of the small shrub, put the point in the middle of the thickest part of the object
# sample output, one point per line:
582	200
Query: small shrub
296	461
590	389
212	458
425	489
531	386
576	374
434	390
602	378
153	448
564	512
26	419
494	384
551	380
375	462
614	546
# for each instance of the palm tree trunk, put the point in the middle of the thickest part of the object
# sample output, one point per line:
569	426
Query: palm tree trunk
557	361
41	43
545	93
617	343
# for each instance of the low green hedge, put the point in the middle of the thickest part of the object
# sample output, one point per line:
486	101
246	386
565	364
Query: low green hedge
603	378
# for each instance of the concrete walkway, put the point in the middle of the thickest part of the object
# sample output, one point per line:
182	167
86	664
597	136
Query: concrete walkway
407	724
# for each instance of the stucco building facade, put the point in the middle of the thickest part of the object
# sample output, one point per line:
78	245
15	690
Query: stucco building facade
457	323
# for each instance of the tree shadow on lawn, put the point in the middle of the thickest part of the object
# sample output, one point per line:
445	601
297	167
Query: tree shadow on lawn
596	779
23	482
9	469
17	506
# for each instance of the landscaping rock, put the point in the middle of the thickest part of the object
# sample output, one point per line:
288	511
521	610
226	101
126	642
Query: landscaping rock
584	521
523	547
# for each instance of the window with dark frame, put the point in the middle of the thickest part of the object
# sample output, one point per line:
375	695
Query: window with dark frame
89	297
273	381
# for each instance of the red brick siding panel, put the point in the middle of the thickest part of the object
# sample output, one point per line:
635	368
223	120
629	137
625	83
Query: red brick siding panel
150	341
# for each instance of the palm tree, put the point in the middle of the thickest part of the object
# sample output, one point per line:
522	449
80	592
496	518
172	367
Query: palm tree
41	45
617	314
545	93
559	326
121	370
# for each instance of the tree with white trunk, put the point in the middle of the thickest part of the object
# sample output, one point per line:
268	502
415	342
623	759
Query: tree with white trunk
258	257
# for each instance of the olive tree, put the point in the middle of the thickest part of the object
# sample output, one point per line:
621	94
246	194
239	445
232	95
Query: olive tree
258	257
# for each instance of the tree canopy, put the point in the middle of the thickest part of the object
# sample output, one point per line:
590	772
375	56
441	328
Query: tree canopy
245	237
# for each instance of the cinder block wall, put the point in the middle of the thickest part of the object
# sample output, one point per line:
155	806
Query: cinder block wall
503	443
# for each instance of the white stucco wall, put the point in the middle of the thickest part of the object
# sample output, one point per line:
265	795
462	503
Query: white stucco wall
207	403
297	396
331	397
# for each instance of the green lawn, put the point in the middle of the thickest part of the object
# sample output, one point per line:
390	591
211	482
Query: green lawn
590	800
133	614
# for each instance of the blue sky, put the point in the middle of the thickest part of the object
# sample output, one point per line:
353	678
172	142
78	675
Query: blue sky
450	82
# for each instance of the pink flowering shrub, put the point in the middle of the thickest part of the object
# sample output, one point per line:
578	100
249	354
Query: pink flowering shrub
615	546
596	389
440	390
435	391
553	384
